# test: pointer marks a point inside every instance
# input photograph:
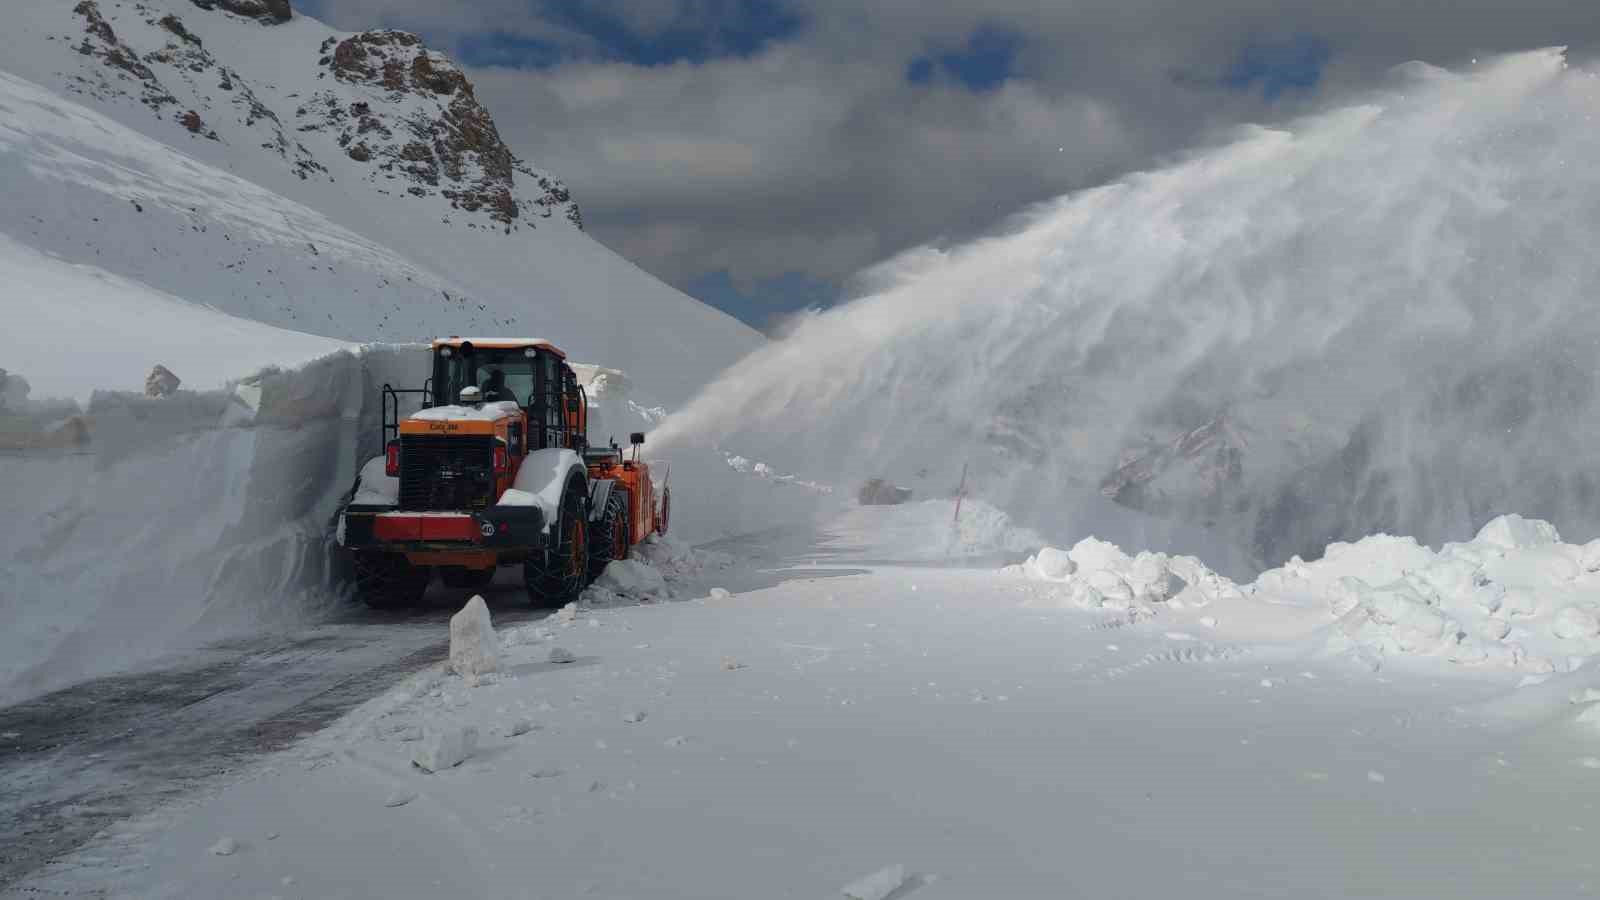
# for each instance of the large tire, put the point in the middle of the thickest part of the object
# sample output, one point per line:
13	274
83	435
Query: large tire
609	537
557	575
389	580
465	578
664	514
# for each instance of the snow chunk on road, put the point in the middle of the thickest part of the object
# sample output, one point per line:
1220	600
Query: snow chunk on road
446	749
1516	533
878	885
474	649
224	847
632	578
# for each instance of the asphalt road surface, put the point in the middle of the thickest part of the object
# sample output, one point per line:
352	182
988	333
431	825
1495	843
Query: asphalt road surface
80	759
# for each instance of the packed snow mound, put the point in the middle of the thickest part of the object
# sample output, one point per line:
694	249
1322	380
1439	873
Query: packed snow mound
338	184
661	567
1515	597
1379	318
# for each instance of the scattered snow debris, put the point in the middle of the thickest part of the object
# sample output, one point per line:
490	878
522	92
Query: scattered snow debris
635	717
272	835
474	649
562	655
878	885
1266	682
676	741
596	787
226	846
409	733
10	735
720	594
1590	762
399	798
1209	621
567	613
730	664
446	749
1376	777
519	728
546	772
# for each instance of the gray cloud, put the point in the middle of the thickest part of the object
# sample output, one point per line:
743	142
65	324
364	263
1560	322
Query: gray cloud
816	154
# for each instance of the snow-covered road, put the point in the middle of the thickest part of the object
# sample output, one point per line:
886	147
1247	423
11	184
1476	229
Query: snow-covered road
77	760
832	717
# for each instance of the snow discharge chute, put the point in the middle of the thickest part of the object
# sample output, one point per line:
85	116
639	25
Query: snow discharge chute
1380	318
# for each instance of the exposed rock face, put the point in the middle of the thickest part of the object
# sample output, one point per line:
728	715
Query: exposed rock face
404	117
444	140
267	12
161	382
1204	462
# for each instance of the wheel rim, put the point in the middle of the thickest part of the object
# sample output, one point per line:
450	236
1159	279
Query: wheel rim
577	556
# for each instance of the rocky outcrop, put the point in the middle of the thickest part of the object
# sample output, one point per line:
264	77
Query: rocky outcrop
396	110
1198	464
267	12
426	127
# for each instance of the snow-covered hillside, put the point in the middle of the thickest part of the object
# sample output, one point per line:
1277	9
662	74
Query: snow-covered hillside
1380	318
347	185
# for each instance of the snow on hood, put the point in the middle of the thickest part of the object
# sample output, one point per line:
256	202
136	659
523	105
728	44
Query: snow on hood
487	412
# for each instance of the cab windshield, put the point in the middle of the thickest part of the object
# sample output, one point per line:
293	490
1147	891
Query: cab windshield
501	374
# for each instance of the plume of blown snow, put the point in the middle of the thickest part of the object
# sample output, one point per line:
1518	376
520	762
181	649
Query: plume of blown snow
1389	304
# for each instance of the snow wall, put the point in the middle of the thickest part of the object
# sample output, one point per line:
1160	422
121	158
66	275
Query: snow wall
1376	319
211	514
192	517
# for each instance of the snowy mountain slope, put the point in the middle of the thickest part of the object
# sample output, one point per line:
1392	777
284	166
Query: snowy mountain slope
1376	319
84	330
346	185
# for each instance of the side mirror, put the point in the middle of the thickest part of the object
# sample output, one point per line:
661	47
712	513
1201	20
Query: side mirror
636	438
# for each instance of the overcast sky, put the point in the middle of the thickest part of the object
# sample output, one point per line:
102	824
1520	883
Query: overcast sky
757	153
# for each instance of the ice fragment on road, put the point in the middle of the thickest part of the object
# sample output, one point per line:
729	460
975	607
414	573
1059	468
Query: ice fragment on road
474	649
520	727
635	717
730	664
720	594
1376	777
446	749
224	847
561	655
878	885
399	798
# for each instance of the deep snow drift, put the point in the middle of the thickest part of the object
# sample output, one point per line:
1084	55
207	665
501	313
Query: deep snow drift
1376	319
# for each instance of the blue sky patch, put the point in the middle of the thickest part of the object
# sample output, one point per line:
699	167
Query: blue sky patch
732	28
1279	67
985	63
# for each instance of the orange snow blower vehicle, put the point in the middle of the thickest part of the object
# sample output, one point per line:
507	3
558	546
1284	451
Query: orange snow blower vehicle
495	469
